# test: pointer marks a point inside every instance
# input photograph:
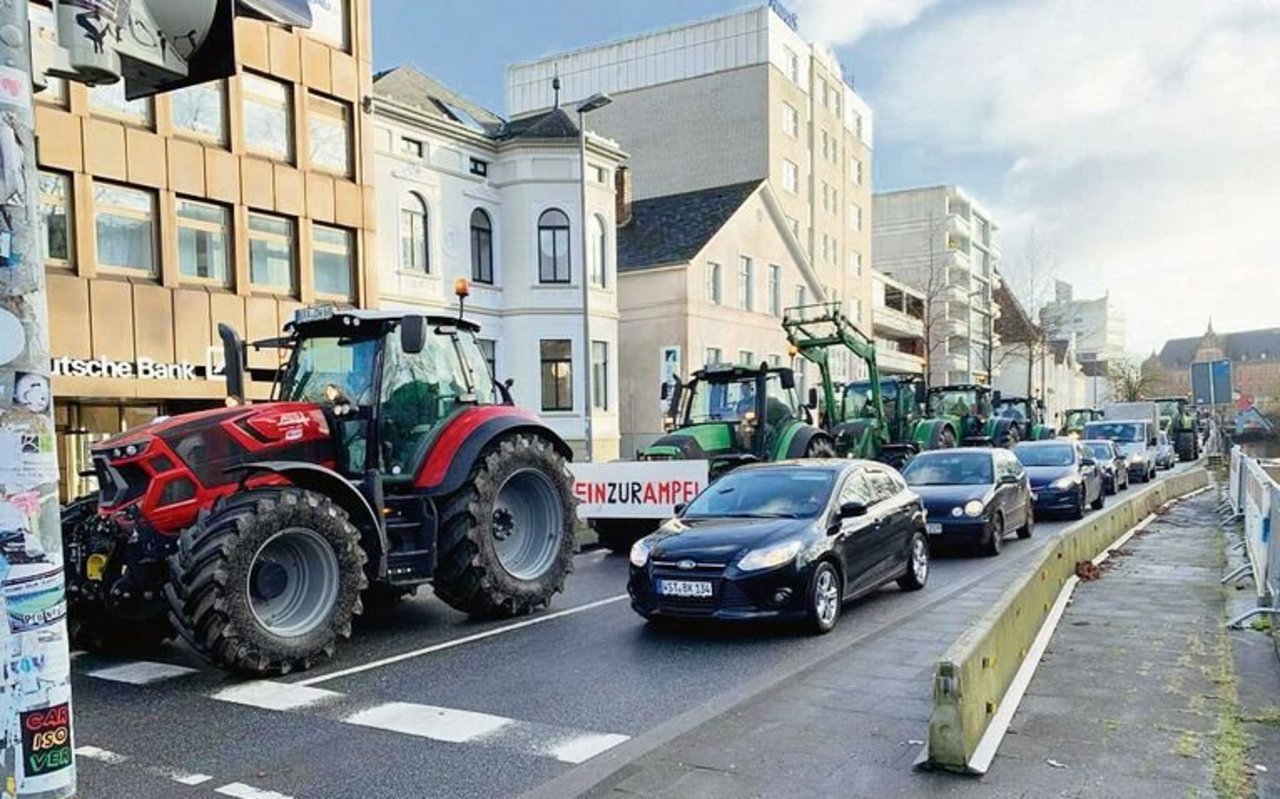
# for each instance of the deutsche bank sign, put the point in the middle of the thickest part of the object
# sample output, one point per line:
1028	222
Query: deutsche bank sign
141	368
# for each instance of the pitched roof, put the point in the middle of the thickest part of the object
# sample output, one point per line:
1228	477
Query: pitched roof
410	86
553	124
674	228
1247	345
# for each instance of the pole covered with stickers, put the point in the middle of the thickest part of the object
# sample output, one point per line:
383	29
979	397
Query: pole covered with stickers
38	740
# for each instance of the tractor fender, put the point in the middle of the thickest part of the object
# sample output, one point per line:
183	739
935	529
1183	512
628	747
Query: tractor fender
800	436
929	431
453	453
850	436
340	490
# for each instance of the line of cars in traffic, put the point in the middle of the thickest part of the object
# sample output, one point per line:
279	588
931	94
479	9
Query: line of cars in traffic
796	540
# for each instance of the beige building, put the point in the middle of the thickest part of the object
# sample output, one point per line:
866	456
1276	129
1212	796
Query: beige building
728	100
703	277
235	201
897	323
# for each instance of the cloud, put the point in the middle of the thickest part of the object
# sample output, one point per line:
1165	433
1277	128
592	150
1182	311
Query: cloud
1142	141
843	22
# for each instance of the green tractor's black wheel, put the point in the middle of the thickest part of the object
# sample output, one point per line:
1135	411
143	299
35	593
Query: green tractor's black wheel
506	536
820	447
267	581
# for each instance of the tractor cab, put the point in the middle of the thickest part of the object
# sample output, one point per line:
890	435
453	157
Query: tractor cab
1026	415
1074	420
971	408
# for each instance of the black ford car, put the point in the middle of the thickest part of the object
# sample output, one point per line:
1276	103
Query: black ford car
791	540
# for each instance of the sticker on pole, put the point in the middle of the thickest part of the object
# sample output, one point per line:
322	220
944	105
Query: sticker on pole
636	489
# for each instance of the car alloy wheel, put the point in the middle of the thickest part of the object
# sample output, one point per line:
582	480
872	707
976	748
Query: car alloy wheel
825	598
917	573
996	536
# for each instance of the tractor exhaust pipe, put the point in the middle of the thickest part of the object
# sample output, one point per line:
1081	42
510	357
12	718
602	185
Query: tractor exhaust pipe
233	353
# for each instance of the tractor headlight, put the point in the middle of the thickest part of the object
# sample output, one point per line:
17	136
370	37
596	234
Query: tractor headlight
668	423
769	557
640	553
973	507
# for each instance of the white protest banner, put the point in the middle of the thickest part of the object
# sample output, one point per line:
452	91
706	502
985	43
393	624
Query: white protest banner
636	489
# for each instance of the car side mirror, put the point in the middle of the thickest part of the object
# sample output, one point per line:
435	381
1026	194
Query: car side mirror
813	399
852	509
995	398
922	395
788	378
413	334
679	508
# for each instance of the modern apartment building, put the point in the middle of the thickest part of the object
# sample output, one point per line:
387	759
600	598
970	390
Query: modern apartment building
897	325
463	193
236	201
941	242
726	101
1098	325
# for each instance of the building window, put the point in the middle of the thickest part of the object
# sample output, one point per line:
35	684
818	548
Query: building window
793	65
201	111
415	255
481	247
714	355
820	91
747	358
553	247
55	213
745	293
775	360
557	374
480	168
109	100
489	351
855	216
790	120
332	261
203	236
412	148
855	263
600	174
713	283
271	254
855	171
268	117
125	221
775	289
802	296
329	22
790	177
329	129
599	251
600	375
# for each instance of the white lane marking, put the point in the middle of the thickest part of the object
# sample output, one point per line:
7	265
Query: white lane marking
241	791
427	650
141	672
275	695
178	776
101	755
429	721
582	748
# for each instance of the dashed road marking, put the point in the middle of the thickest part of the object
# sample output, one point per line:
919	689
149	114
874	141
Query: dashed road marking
141	672
270	695
241	791
234	789
429	721
102	755
183	777
584	747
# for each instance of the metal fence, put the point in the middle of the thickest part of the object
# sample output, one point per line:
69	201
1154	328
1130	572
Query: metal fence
1253	491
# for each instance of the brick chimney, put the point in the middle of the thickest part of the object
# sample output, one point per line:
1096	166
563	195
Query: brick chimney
622	196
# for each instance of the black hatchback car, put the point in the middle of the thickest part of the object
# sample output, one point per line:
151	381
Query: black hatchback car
792	540
1064	476
973	495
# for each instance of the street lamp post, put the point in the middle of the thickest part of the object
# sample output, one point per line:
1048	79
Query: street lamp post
595	101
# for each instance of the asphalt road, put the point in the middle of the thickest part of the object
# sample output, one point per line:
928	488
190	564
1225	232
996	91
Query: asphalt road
425	703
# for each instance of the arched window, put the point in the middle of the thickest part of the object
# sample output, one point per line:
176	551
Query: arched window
414	255
553	246
599	251
481	247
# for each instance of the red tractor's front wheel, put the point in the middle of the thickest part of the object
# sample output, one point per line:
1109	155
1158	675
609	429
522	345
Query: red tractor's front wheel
506	537
268	581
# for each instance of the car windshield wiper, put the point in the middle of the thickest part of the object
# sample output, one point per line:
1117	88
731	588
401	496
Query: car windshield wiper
775	515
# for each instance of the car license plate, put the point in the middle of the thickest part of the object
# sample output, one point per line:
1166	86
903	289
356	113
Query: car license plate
685	588
934	528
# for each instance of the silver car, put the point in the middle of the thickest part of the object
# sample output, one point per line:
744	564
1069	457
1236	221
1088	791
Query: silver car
1166	455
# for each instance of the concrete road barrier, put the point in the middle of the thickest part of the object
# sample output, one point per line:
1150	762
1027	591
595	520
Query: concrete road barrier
974	675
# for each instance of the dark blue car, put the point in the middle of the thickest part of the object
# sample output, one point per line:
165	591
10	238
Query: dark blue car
1065	477
974	495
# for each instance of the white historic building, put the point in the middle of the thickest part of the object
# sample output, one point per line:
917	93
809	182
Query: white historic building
464	193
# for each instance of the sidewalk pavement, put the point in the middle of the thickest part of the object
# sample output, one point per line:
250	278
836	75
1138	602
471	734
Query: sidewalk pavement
1134	698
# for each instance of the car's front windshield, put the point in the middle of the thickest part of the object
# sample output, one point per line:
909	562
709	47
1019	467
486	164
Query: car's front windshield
1052	455
1116	431
957	468
322	364
1100	450
765	493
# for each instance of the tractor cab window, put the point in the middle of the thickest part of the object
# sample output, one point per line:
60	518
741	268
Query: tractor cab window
1013	410
326	368
957	402
780	403
857	400
721	401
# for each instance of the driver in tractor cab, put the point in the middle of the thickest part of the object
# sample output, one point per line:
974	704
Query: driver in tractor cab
960	407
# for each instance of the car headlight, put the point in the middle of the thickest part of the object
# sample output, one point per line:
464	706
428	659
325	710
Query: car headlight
1063	482
973	507
640	553
1137	457
768	557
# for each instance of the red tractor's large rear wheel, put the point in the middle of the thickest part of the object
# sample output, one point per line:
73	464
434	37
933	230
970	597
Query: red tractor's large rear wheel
506	537
268	581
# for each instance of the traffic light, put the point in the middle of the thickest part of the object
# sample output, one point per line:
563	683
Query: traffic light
155	46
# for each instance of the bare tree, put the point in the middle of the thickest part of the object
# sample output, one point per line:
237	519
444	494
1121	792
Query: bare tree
1031	280
1130	381
932	285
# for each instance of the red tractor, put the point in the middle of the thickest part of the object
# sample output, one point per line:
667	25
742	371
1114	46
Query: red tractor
388	458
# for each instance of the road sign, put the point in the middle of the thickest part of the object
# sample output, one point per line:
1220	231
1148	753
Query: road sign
1211	382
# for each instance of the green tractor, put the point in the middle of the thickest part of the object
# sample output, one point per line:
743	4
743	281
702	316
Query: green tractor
969	407
1026	416
728	416
1178	419
1074	420
878	418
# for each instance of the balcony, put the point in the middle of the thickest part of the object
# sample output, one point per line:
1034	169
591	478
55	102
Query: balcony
892	323
899	363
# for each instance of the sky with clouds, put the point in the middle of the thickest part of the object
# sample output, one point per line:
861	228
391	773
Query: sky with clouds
1137	143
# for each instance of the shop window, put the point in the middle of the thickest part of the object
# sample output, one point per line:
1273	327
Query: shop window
203	242
272	263
125	223
268	117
